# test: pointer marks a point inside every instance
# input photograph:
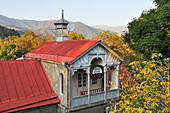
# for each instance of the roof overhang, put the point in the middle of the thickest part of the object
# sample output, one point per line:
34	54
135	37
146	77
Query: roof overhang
101	43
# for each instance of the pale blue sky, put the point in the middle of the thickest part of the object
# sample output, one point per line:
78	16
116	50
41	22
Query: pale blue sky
90	12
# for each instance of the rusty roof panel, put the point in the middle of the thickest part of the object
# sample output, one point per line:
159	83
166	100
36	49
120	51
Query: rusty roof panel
61	51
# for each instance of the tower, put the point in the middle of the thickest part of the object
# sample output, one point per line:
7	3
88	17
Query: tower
61	28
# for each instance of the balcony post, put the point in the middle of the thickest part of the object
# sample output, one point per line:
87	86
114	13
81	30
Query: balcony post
88	74
105	71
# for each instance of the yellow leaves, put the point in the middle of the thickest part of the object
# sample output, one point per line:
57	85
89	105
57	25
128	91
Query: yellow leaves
111	82
154	55
144	62
14	46
152	90
160	55
132	63
107	107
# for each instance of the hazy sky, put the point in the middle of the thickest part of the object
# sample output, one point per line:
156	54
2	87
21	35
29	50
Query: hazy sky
90	12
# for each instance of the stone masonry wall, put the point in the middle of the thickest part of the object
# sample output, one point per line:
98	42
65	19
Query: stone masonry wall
53	71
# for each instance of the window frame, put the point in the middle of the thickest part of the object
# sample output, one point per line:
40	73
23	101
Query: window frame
82	78
61	84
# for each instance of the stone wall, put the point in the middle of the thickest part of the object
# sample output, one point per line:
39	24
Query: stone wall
53	71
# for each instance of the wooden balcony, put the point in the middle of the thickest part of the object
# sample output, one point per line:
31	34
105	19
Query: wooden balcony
96	95
93	91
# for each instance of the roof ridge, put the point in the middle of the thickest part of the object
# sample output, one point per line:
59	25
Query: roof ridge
18	60
81	40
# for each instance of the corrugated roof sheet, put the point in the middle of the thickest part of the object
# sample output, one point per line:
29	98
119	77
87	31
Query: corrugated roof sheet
24	84
61	51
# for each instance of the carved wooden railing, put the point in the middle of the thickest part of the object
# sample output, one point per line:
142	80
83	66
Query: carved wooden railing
92	91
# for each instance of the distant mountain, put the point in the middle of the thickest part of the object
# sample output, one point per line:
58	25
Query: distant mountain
41	27
45	27
117	29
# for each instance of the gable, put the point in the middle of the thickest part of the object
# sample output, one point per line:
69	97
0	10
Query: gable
97	51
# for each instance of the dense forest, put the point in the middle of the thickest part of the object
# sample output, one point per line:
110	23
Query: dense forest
5	32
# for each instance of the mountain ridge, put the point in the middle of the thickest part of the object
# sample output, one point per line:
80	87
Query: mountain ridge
46	26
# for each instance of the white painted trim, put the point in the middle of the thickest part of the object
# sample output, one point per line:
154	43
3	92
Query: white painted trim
96	57
99	42
88	74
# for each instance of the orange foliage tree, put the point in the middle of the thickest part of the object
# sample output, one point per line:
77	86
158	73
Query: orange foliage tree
14	47
117	44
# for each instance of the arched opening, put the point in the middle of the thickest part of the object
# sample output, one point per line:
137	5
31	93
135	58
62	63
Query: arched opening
97	75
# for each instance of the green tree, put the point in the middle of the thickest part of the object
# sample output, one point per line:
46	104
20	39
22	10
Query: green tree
160	3
5	32
150	32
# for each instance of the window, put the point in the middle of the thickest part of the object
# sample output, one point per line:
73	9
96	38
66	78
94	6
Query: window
82	79
61	83
94	81
79	80
96	74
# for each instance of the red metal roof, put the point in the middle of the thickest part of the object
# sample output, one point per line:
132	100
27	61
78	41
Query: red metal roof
24	84
61	51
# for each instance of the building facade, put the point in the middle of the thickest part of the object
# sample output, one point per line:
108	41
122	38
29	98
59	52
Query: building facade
70	76
83	73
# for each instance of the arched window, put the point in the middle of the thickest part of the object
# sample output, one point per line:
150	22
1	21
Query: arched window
61	83
96	74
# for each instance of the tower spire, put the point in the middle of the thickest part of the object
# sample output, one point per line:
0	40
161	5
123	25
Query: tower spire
62	14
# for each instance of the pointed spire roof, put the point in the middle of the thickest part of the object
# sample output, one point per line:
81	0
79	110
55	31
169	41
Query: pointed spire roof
62	20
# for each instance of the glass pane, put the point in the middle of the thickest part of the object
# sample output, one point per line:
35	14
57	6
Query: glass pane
79	80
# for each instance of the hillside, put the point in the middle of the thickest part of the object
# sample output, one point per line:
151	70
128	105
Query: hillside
5	32
41	27
45	27
117	29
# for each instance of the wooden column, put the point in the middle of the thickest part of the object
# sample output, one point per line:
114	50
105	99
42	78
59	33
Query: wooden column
88	74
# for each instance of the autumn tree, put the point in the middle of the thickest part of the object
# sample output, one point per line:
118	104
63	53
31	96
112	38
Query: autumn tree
14	47
117	44
9	50
151	91
75	36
